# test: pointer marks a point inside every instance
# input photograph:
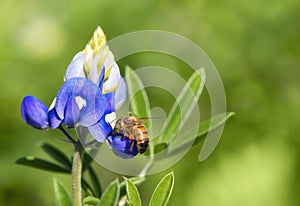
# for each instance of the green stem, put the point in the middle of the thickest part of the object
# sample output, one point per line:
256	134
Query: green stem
149	163
66	134
76	174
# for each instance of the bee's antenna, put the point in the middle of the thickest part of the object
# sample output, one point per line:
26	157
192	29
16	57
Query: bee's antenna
132	114
145	118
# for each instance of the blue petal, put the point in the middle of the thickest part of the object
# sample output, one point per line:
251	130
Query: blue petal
110	103
120	94
34	112
101	130
54	120
76	67
89	92
112	81
72	113
123	146
101	79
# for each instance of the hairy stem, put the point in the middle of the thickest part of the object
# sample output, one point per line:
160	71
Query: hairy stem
76	174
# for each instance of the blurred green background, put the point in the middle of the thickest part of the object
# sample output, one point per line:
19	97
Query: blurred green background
254	45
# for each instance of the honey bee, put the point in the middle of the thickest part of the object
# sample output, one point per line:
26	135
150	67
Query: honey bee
135	130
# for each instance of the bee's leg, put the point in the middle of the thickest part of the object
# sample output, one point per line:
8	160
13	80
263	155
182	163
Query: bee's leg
131	146
122	136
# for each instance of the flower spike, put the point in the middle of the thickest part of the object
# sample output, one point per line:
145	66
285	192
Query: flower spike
93	90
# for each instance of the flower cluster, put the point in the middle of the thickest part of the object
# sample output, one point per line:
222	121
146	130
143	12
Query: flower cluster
92	91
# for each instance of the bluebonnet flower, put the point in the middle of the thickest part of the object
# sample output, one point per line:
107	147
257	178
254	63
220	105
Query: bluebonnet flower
92	91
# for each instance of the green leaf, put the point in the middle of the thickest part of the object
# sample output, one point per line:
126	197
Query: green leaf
87	160
57	155
95	181
217	120
139	102
184	105
163	191
91	200
159	147
134	180
87	187
204	128
62	197
41	164
111	195
133	195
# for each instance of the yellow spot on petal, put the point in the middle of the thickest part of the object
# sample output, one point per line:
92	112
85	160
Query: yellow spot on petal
111	89
107	73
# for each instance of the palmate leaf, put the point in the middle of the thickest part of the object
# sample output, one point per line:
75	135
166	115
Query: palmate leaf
183	106
133	195
57	155
180	111
204	128
41	164
62	197
163	191
111	195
